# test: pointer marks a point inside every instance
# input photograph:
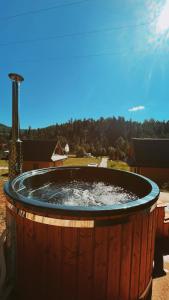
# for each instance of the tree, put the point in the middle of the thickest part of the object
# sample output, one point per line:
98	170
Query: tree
112	153
80	152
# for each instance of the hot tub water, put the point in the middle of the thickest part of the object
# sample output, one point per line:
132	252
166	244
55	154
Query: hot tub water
80	193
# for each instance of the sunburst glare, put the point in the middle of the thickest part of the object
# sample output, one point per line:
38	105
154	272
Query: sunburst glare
162	24
159	33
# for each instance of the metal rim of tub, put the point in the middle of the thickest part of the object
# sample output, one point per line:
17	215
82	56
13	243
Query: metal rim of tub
134	205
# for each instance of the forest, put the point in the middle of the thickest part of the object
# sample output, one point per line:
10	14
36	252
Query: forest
105	136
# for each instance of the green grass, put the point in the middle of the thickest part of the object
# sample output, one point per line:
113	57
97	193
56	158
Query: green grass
3	163
118	164
2	172
115	164
81	161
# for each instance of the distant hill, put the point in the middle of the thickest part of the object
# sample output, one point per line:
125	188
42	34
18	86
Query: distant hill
4	130
4	126
105	136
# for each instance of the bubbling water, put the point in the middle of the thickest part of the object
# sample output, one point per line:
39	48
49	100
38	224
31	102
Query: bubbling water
80	193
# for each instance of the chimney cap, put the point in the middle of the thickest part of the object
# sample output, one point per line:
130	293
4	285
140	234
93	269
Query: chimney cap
15	77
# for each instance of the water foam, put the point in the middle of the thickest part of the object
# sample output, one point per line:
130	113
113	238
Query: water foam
80	193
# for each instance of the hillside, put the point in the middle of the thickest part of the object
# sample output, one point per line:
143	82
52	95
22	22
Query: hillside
4	133
110	136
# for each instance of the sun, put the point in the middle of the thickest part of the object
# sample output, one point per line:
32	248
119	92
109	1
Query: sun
162	24
158	33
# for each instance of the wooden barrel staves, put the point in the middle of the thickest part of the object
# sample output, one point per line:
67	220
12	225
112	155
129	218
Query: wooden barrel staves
79	255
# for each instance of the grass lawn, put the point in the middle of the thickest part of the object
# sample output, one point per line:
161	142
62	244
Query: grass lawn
84	161
3	163
3	172
118	164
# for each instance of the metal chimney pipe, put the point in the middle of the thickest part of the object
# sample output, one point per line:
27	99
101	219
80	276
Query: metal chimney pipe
15	154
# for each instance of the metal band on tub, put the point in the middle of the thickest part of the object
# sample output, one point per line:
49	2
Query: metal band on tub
114	220
51	221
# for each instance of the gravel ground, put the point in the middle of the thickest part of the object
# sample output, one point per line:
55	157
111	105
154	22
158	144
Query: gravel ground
161	284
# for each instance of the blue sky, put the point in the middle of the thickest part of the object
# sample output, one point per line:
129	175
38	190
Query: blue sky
85	59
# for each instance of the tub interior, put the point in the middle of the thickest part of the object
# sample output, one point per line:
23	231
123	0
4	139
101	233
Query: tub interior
130	183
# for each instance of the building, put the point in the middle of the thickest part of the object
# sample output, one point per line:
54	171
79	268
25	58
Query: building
41	154
150	157
4	151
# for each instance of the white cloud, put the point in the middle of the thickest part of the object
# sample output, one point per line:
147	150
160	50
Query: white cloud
136	108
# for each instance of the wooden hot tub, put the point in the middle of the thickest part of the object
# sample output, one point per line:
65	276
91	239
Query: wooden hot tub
81	253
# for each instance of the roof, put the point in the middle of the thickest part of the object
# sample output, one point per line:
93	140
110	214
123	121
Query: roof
150	152
34	150
57	157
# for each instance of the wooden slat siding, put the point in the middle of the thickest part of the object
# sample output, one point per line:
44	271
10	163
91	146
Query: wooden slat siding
166	230
11	246
142	284
160	221
166	225
69	263
114	255
153	238
135	266
148	254
23	269
162	227
157	212
28	258
47	274
53	258
39	269
152	231
126	251
20	262
100	263
85	265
